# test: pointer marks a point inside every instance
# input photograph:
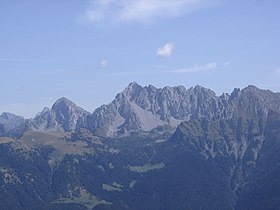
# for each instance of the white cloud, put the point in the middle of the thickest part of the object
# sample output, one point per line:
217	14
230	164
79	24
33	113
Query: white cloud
196	68
166	50
113	11
145	10
98	9
104	63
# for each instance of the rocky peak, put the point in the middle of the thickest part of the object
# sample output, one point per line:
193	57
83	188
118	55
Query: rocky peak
45	111
132	89
252	96
199	90
235	94
63	103
260	94
62	116
152	88
66	113
6	115
10	121
132	85
43	121
251	88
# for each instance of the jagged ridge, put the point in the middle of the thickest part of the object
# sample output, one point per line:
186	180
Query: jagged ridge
141	109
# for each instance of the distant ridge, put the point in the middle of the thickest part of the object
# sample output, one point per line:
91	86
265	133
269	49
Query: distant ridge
142	109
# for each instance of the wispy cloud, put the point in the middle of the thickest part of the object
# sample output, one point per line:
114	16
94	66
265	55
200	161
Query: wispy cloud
226	64
103	63
196	68
24	60
166	50
115	11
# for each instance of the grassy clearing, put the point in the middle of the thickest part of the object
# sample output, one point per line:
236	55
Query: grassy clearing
4	140
85	199
58	141
115	184
114	187
131	185
147	167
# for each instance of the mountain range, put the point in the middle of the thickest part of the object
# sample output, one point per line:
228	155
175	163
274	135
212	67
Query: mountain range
150	148
142	109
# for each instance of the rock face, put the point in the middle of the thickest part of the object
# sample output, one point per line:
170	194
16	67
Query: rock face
66	113
145	108
63	116
8	122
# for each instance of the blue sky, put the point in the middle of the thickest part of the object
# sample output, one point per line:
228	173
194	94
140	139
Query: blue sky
88	51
